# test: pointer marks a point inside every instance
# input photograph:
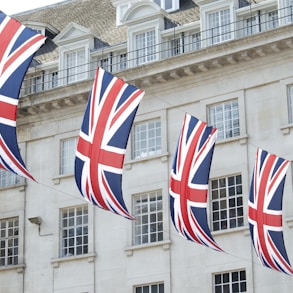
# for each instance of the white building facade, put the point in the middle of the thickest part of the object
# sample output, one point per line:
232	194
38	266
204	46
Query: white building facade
225	62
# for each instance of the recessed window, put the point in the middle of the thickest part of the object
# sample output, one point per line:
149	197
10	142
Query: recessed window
75	65
196	41
151	288
168	5
290	102
145	47
146	139
219	26
225	117
74	231
230	282
9	241
68	148
227	203
148	212
8	178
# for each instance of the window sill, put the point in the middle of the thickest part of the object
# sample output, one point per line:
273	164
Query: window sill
56	261
286	129
57	179
19	268
164	244
163	157
21	186
244	229
242	140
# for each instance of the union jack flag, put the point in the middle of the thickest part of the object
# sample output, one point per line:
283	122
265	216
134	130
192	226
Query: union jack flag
265	211
102	141
17	47
189	181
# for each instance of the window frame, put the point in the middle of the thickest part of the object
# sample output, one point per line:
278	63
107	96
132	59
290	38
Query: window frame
215	122
160	287
290	102
134	141
63	249
223	205
8	238
154	217
9	179
163	3
66	170
230	283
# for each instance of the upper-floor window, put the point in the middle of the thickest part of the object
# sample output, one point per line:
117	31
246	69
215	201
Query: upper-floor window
74	231
225	117
123	61
148	211
9	179
227	202
287	11
53	79
251	25
67	156
9	245
175	46
75	65
196	41
272	19
230	282
290	102
146	139
219	26
168	5
145	47
150	288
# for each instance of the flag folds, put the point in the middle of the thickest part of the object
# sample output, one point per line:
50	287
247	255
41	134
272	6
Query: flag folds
189	181
17	47
265	211
102	141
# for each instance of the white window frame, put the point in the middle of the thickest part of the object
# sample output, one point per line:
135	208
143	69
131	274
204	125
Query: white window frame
216	7
10	241
227	281
74	231
168	5
290	103
142	28
8	179
226	121
67	155
227	208
150	288
195	41
286	11
141	140
148	211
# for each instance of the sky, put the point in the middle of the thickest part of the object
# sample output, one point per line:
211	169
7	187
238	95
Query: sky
10	7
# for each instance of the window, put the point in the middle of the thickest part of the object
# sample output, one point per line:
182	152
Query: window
290	102
68	147
145	44
227	203
175	47
148	211
225	117
168	5
74	231
196	41
75	65
230	282
9	179
123	61
153	288
272	19
53	79
147	139
105	64
287	11
9	229
251	26
219	25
